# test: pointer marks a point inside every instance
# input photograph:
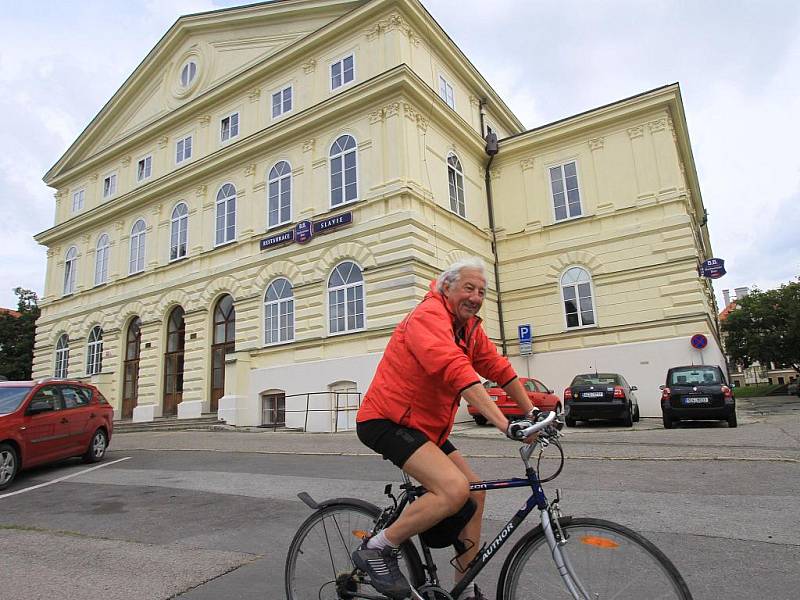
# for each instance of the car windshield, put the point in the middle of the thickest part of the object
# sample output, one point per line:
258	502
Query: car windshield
596	379
11	398
694	376
490	384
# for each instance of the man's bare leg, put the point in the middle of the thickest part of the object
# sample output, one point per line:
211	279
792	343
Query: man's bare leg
471	534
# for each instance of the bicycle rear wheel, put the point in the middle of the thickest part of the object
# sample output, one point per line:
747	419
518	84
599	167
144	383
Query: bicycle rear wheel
321	552
610	560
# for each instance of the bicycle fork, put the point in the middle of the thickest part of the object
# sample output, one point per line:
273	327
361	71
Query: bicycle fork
561	559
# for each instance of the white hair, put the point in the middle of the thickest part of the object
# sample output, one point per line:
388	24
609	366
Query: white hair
453	273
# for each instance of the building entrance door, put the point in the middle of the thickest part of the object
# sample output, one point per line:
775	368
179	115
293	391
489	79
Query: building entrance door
224	342
130	387
173	362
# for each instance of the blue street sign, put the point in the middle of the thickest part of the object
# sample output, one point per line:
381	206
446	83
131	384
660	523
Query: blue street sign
699	341
525	333
713	268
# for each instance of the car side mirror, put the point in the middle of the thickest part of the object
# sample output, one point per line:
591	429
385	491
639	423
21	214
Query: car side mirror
634	388
39	406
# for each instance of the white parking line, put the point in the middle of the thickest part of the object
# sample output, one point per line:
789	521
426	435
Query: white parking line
46	483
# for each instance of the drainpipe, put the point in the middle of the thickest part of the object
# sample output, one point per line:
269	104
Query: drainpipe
491	150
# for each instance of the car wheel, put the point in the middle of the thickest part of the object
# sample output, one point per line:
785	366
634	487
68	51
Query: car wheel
558	409
732	420
667	421
627	416
97	447
9	465
480	419
570	422
636	415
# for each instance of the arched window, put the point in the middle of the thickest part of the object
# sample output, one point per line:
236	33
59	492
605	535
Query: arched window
576	291
101	260
279	195
279	312
70	270
94	351
62	357
226	215
178	231
455	180
344	170
136	263
346	298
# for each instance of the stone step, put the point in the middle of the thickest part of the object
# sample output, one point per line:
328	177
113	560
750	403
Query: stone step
206	422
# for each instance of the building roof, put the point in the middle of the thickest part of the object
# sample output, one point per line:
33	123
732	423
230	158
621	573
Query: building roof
727	310
8	311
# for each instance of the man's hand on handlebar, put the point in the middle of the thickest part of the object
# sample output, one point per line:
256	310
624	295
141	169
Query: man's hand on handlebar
517	430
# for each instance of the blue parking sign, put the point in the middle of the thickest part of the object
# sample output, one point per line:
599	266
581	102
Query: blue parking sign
525	334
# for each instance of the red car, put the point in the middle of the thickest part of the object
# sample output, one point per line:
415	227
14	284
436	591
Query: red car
46	421
541	396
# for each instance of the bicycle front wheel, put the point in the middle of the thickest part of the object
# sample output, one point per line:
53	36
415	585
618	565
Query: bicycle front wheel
609	560
319	563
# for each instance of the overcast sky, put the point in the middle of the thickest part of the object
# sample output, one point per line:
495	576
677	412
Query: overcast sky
738	64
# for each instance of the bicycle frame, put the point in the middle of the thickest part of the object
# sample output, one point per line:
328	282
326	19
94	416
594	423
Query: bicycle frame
537	499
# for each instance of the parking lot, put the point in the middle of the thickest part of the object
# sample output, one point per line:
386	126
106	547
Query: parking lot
207	515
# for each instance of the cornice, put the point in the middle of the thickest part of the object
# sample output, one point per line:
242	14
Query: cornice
399	87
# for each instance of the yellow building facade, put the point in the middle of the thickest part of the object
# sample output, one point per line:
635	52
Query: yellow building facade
273	188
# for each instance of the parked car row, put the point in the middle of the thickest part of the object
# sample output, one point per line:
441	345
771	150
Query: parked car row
47	421
696	392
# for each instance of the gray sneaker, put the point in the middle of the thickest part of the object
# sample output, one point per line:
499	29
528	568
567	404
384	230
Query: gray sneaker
383	570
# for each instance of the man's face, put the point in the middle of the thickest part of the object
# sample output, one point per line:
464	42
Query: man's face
465	296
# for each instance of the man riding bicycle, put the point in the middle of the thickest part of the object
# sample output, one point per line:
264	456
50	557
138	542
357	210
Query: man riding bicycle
435	357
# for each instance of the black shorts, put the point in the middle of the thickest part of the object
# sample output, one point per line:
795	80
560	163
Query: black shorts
394	442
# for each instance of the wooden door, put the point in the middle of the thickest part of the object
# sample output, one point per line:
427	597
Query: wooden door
223	342
130	386
173	362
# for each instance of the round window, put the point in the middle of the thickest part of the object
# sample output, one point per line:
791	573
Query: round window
188	73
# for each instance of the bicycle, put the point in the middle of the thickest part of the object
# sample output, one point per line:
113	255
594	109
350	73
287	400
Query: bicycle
562	557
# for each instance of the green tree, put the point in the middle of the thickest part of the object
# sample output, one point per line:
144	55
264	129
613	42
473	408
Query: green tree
765	328
17	337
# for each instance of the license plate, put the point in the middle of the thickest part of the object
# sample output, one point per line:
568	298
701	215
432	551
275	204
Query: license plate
698	400
592	394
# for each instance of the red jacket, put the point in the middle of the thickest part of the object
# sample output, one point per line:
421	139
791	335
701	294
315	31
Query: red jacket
419	381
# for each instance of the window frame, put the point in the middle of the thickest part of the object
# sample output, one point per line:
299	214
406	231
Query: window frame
191	76
342	155
94	351
340	61
80	194
172	221
279	303
345	287
281	91
112	187
561	166
231	136
592	297
182	140
141	246
61	364
147	161
279	179
443	93
70	271
217	202
101	260
457	171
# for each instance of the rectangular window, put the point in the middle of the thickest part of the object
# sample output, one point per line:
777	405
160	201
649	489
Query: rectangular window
183	149
229	127
343	71
566	195
77	200
109	185
144	168
446	92
282	102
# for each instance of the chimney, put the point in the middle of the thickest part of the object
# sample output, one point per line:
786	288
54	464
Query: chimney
726	295
741	292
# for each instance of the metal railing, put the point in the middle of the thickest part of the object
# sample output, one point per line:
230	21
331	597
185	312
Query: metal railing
341	404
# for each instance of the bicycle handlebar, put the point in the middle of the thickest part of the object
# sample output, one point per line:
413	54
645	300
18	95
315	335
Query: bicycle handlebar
525	428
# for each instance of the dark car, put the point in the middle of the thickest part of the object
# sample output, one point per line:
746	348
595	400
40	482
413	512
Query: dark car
542	397
47	421
697	392
600	396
